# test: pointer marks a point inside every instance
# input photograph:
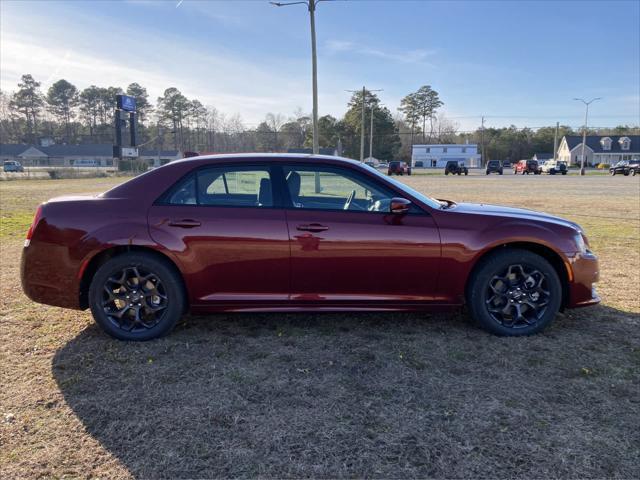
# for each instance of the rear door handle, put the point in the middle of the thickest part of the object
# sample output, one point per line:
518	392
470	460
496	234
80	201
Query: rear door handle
312	227
184	223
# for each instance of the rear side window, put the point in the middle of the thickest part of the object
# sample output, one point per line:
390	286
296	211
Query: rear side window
223	186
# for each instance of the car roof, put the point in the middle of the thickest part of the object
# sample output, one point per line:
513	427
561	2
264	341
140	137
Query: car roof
226	157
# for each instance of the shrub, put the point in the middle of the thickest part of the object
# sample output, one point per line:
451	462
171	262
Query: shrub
58	173
602	166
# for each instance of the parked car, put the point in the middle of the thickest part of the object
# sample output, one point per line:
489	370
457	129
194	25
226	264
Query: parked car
625	167
274	232
554	166
12	166
398	168
454	167
494	166
526	166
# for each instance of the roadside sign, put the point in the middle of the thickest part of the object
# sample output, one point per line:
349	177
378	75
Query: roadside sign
129	152
127	103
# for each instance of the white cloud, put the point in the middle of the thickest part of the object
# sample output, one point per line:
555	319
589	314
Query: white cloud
222	79
406	56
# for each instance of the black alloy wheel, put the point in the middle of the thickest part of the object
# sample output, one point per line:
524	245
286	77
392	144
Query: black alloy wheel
134	299
518	296
514	292
137	296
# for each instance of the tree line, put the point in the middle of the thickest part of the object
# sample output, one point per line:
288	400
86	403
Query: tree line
70	116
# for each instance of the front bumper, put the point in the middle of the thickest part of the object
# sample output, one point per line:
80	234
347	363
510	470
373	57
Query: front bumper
584	273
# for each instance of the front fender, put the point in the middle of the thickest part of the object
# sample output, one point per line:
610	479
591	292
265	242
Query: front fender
463	247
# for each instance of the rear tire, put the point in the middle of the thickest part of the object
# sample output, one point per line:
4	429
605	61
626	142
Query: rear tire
514	292
136	296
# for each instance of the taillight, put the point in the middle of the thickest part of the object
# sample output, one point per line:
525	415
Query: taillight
36	219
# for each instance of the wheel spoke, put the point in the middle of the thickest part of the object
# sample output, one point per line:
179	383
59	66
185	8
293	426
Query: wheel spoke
134	299
517	297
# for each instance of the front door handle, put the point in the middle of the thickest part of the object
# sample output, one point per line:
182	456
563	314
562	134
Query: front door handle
184	223
312	227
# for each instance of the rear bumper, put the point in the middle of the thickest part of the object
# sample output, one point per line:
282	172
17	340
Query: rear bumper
585	273
49	276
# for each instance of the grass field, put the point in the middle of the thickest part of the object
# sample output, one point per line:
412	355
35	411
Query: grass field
333	395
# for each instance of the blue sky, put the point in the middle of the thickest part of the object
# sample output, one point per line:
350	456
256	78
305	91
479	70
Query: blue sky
512	61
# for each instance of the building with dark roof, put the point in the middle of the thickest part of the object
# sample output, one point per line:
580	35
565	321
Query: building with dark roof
599	149
85	155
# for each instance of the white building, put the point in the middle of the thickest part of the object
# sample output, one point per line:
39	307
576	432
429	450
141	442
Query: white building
599	149
437	156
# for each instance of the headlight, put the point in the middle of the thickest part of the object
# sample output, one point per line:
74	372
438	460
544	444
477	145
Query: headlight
582	244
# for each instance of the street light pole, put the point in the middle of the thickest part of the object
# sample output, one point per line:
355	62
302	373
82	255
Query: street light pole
584	131
364	95
371	132
314	74
371	136
311	5
362	129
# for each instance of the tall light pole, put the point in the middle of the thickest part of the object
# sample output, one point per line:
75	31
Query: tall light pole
311	5
584	132
371	135
373	106
364	95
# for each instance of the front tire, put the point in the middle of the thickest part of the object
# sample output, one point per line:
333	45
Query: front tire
136	296
514	292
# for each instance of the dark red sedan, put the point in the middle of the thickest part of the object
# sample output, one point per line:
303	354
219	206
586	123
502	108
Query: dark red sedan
297	233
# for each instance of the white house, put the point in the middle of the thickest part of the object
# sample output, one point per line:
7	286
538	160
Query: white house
437	156
599	149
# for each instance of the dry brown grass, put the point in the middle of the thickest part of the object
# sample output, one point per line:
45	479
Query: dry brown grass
376	395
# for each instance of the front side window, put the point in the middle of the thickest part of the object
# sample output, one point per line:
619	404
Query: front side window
328	188
224	187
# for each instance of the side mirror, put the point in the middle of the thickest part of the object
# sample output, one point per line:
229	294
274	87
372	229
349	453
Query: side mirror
399	206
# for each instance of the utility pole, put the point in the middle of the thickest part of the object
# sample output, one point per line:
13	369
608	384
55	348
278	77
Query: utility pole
555	142
584	132
311	5
482	161
371	136
362	129
364	94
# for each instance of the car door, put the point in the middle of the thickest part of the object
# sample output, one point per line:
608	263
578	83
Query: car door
228	234
346	246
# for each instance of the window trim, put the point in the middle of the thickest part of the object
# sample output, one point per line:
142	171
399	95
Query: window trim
288	203
276	193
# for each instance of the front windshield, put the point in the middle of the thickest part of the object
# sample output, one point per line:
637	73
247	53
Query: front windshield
433	203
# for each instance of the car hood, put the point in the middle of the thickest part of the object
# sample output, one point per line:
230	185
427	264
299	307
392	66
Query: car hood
512	212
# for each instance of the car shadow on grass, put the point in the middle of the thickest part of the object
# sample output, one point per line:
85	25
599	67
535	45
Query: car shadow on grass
377	395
